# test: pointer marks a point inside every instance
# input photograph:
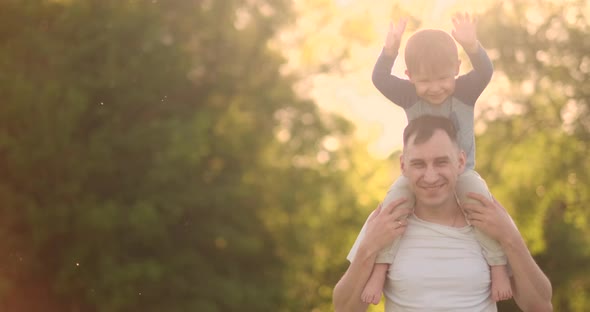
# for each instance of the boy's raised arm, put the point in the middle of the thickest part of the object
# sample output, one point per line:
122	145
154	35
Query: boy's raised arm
394	37
465	32
471	85
397	90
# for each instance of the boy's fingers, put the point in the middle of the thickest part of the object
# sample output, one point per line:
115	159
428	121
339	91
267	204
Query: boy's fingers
403	22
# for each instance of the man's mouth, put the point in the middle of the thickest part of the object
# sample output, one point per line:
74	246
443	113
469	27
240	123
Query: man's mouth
432	187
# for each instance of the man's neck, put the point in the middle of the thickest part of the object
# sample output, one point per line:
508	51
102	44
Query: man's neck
446	214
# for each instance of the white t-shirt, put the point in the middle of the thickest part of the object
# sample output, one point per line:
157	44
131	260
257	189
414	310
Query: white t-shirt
437	268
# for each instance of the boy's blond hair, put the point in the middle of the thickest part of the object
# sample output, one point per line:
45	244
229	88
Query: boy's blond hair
430	51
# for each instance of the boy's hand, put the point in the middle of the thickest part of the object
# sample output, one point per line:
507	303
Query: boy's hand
465	32
394	36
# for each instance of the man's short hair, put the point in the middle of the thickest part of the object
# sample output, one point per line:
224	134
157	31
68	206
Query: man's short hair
424	127
430	51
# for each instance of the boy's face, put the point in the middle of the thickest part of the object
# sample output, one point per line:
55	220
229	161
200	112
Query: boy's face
435	86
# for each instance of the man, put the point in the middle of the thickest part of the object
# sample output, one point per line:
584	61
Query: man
439	265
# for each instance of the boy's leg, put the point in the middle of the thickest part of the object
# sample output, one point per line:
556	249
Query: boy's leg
501	288
374	287
400	188
471	182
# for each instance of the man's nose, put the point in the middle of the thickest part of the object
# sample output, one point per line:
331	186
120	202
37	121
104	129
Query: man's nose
430	175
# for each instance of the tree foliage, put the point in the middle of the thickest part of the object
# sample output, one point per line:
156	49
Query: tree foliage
536	160
154	158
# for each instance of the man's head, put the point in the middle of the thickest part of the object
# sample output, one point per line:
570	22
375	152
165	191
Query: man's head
432	62
432	160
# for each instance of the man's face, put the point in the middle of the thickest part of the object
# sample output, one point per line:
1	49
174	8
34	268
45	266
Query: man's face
432	168
435	87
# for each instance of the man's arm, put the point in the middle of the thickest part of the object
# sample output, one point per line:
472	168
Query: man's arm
347	292
532	289
381	229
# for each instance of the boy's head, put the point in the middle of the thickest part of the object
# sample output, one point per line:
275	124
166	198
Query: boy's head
432	62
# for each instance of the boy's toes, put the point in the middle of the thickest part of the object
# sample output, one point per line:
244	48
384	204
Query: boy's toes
375	300
508	295
496	296
366	299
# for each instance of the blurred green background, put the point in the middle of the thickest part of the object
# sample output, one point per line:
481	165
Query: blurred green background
156	156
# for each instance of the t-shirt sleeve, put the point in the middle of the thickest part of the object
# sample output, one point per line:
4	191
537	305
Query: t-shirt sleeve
357	242
470	86
399	91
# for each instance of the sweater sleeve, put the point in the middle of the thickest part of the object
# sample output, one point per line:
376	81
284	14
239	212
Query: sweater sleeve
399	91
470	86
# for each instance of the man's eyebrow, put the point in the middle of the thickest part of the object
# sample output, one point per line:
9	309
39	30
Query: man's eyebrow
420	160
442	158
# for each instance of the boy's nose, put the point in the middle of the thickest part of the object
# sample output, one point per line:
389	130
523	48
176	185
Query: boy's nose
435	87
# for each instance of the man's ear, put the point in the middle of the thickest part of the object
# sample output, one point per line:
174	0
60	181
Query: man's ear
462	161
402	165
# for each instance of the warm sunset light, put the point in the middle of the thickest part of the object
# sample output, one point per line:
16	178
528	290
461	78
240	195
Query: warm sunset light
351	92
225	155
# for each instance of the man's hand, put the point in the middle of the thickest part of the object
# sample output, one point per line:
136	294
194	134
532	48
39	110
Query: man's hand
394	36
491	218
531	287
465	32
385	224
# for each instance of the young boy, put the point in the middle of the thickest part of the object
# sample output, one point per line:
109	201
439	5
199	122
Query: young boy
433	88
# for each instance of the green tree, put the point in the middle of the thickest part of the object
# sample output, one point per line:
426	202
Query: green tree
154	158
536	160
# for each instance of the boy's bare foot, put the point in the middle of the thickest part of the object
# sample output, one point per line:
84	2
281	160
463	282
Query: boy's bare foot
374	287
501	288
371	296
